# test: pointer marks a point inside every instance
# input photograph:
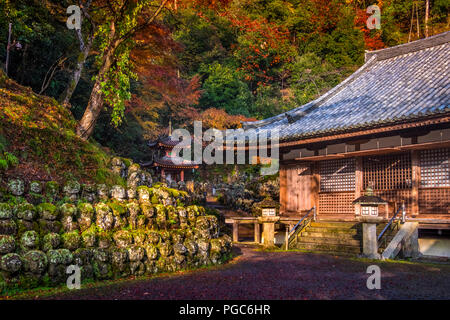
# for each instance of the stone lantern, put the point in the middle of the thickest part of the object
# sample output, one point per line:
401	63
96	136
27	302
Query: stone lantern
369	217
269	216
269	208
368	204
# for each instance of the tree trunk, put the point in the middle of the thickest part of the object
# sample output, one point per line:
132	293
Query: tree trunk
427	12
65	97
8	48
95	105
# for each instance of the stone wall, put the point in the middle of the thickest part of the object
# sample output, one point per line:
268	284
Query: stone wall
107	233
245	196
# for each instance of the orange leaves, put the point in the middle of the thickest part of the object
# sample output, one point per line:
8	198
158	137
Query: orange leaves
219	119
372	39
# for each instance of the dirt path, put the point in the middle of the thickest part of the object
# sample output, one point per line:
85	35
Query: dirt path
285	275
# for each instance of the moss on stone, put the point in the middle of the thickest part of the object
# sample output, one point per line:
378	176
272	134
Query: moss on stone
118	208
7	244
68	210
52	188
51	241
6	211
47	211
71	240
25	211
89	237
86	209
123	238
8	227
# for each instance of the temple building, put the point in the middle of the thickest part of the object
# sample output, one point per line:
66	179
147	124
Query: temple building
170	166
386	128
387	125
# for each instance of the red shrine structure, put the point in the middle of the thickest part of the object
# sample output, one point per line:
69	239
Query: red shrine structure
172	167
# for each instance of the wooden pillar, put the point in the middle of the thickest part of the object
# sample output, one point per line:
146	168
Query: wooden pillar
359	182
315	186
415	163
269	233
283	189
163	174
235	231
182	175
257	232
286	238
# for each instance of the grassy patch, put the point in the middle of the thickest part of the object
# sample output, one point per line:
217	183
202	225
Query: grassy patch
38	140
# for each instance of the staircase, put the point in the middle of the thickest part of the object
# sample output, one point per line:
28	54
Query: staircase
342	238
339	238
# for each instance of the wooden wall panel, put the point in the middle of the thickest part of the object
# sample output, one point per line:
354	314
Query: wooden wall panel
434	201
388	172
434	191
297	197
336	203
304	179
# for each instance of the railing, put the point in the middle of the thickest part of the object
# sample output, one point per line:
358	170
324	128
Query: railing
303	223
391	226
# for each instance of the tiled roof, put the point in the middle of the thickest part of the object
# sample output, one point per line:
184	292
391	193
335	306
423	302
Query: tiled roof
404	82
174	162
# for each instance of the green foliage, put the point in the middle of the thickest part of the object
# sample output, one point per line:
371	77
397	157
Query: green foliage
223	89
7	159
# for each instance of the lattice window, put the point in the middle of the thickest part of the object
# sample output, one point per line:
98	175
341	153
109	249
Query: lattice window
434	201
336	203
434	168
337	175
396	197
388	172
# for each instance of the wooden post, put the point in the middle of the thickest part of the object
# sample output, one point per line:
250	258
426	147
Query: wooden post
235	231
283	189
182	175
359	183
269	233
415	163
257	233
315	186
286	239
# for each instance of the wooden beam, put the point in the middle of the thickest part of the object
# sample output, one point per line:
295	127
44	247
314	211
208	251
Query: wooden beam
415	164
315	185
421	146
359	183
257	232
235	232
355	142
283	188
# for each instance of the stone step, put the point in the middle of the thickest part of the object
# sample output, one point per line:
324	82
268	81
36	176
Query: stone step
324	240
333	230
336	225
328	247
343	235
333	253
